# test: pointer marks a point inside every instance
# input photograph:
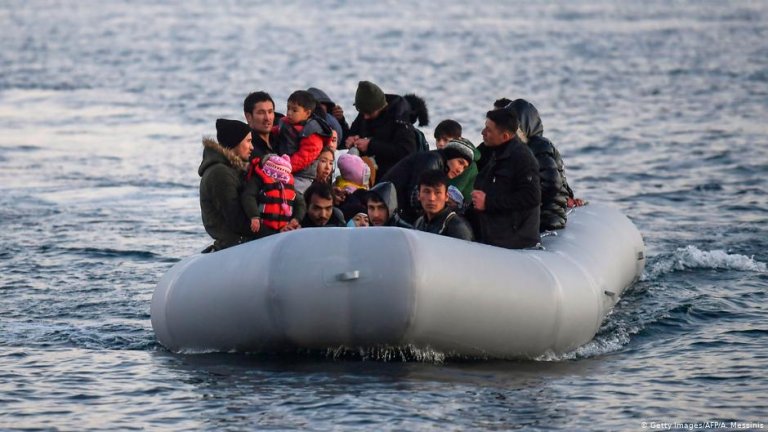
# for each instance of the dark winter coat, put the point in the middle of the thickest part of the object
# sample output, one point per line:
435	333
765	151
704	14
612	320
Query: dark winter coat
387	194
510	181
554	187
221	183
391	133
447	223
405	176
261	147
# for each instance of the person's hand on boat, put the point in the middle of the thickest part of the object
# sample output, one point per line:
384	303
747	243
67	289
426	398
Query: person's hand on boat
293	224
255	224
575	202
478	199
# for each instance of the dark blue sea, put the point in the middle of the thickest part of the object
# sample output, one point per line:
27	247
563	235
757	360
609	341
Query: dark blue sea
659	108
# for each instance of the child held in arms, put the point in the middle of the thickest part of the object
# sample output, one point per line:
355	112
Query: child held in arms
269	198
301	135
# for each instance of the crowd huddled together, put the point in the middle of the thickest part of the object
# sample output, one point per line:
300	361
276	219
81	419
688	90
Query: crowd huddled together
277	173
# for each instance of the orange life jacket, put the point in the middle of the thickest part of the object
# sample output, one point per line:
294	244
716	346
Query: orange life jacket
275	200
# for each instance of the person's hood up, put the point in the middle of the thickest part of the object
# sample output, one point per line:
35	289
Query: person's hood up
386	192
214	153
528	116
320	96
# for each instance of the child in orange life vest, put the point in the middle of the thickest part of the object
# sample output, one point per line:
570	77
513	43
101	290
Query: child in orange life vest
301	135
269	198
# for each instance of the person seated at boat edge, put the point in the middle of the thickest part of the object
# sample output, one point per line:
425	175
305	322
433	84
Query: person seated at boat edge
382	208
269	198
452	159
438	218
554	187
485	151
222	178
445	131
320	209
301	134
260	115
507	196
382	128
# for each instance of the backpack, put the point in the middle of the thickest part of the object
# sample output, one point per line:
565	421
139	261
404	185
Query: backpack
421	141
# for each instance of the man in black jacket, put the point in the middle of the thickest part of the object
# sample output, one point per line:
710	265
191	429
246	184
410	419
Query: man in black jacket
507	193
383	128
259	111
438	218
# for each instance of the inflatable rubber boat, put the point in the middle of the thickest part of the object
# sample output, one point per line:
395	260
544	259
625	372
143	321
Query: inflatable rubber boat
362	288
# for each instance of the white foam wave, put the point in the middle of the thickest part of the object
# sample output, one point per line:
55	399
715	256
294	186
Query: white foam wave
693	257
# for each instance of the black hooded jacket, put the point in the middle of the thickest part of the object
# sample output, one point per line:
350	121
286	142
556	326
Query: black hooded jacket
386	192
405	177
391	133
554	188
447	223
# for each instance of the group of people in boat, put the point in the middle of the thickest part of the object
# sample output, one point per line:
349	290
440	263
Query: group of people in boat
275	173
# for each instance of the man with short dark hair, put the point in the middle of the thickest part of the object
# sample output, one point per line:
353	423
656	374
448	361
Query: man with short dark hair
259	111
438	218
320	209
507	192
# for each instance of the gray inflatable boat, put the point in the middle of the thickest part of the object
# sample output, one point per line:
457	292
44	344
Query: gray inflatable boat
363	288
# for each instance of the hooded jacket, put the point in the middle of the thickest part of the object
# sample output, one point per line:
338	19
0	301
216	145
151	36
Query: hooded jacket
405	177
554	187
448	223
221	183
391	133
341	127
386	192
511	184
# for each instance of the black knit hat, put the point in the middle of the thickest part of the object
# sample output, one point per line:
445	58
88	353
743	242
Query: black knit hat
369	98
230	133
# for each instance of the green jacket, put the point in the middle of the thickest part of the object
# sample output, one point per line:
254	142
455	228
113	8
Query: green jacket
221	183
465	181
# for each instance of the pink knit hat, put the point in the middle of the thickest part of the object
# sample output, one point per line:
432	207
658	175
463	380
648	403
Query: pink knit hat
278	167
354	170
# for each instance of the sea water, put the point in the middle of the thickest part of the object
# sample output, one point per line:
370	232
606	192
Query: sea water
659	108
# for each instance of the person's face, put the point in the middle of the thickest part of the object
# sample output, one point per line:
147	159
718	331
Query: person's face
433	199
333	143
442	141
324	165
320	210
493	136
378	213
373	115
297	114
456	166
244	149
262	117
